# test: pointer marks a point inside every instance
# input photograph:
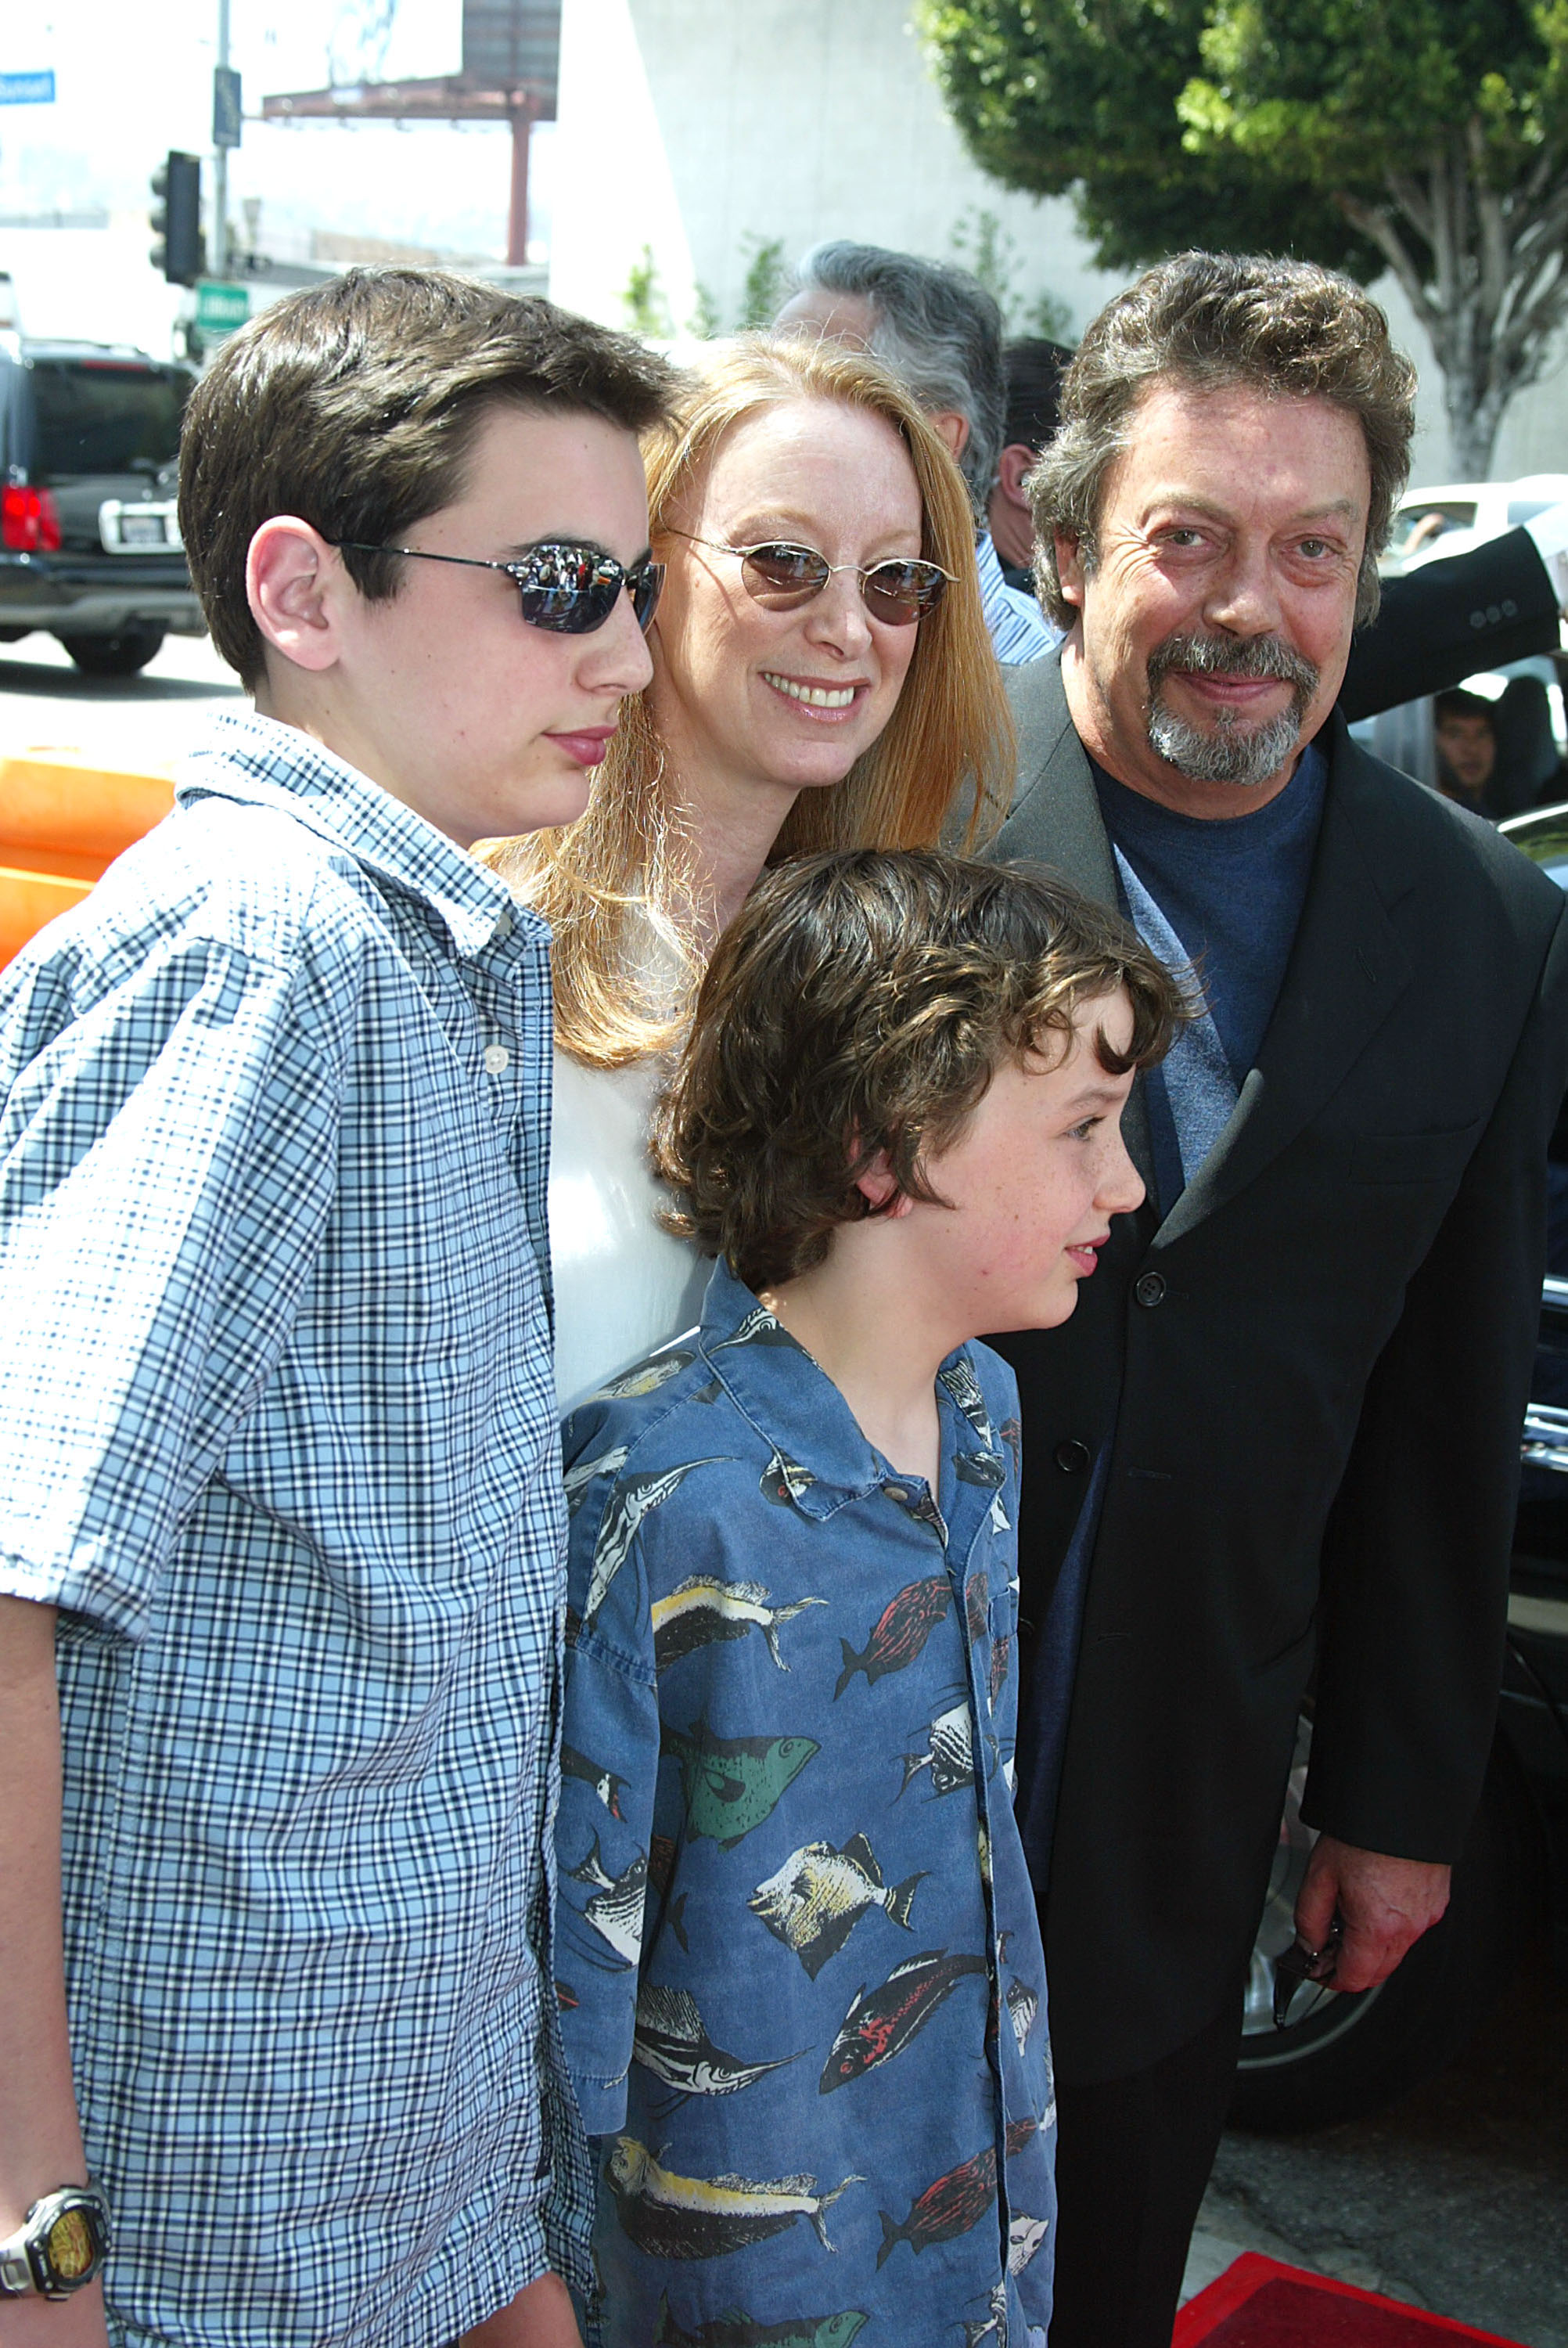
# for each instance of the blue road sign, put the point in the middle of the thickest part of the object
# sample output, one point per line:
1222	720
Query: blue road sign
27	88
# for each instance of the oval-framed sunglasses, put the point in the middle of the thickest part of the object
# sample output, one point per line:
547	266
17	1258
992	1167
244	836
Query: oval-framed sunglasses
569	589
782	576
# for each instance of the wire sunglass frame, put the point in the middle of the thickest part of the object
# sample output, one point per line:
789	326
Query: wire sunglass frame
893	609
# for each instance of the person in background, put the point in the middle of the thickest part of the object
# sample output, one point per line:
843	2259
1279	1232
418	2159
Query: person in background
1467	749
790	1691
940	332
281	1530
822	677
1033	368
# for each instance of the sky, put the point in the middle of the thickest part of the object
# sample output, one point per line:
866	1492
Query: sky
134	80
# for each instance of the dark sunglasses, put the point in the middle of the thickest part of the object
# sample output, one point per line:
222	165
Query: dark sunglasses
570	590
782	576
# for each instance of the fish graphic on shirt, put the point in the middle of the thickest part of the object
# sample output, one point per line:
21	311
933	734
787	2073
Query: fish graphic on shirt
705	1609
819	1895
738	2330
962	1382
948	2208
949	1755
899	1633
1025	2235
604	1782
880	2025
1022	2004
672	2042
986	1468
783	1479
674	2216
759	1327
578	1477
645	1377
730	1784
633	1499
616	1909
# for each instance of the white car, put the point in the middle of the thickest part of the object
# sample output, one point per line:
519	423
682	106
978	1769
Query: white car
1452	518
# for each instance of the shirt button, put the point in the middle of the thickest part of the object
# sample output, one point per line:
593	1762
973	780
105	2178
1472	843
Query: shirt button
1071	1456
496	1059
896	1491
1148	1288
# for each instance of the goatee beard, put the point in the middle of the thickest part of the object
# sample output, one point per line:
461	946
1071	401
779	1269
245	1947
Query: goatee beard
1228	751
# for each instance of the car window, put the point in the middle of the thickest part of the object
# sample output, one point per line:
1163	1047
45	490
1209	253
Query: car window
1417	525
103	415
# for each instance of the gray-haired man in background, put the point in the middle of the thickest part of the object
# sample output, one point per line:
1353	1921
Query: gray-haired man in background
940	332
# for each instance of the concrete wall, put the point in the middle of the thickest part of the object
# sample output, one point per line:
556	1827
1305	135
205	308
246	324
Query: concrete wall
721	120
707	122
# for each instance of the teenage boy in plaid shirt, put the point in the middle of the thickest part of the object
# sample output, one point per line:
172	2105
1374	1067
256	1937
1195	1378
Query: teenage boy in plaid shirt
280	1534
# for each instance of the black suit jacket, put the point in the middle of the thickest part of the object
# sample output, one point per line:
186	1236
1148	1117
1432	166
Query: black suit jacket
1444	620
1316	1368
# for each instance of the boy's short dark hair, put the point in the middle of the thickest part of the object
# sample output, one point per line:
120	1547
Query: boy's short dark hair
355	404
860	1004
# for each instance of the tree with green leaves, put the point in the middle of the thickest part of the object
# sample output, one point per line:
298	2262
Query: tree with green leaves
1426	136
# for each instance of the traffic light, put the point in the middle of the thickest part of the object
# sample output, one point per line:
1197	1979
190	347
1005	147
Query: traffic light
180	250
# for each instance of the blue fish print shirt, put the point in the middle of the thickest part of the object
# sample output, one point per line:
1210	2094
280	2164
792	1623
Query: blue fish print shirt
802	1986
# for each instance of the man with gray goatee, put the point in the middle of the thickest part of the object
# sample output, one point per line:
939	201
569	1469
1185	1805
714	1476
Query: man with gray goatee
1277	1448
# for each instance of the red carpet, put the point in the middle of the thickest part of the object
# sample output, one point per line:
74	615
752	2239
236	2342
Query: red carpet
1258	2303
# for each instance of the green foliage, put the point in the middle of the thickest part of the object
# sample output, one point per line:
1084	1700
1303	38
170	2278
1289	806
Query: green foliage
1062	96
1050	316
704	322
990	252
766	279
643	298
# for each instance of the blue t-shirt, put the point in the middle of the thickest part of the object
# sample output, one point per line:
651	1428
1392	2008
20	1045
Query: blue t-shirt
1218	900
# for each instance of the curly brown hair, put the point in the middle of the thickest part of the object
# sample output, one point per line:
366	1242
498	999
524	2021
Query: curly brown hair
1209	321
861	1003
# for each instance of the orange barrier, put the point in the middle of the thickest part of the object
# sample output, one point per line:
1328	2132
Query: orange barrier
61	824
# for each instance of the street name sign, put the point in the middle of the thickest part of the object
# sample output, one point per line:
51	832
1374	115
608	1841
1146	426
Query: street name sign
27	88
221	308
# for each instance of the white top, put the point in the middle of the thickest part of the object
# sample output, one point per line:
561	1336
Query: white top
623	1284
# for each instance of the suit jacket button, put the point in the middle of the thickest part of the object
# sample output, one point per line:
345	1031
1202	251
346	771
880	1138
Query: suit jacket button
1478	619
1148	1288
1071	1456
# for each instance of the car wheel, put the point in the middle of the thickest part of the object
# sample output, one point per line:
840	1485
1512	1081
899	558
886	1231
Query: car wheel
1339	2057
120	655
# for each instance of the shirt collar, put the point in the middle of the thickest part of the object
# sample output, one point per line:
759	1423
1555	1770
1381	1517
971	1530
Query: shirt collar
258	761
820	1456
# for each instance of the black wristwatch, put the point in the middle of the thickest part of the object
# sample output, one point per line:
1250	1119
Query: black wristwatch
61	2247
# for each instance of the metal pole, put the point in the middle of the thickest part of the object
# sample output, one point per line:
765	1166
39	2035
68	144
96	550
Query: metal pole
517	217
220	167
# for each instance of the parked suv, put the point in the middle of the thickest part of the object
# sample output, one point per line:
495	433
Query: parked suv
89	542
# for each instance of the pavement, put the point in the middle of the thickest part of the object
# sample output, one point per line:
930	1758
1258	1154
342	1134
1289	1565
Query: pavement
141	724
1454	2200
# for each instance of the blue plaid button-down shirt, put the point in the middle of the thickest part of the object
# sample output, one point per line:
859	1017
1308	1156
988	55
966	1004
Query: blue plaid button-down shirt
278	1417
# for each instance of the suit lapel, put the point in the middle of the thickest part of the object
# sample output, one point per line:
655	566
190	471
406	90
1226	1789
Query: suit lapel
1347	970
1055	819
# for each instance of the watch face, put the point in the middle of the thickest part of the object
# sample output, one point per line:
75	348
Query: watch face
69	2247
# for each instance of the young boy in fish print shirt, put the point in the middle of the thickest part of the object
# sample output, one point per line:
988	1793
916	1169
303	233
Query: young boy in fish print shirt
801	1977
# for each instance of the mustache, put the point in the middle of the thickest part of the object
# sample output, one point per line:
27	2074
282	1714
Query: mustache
1253	657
